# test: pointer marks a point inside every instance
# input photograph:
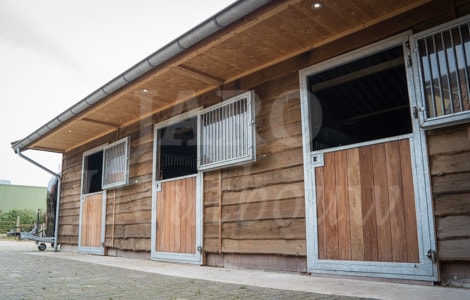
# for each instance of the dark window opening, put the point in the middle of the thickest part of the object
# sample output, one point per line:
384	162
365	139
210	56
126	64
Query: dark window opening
361	101
177	149
93	169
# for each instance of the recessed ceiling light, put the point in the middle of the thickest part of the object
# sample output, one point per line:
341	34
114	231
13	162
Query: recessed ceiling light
70	131
145	90
316	5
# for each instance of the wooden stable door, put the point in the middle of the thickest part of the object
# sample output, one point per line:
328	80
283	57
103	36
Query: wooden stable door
91	225
366	205
176	216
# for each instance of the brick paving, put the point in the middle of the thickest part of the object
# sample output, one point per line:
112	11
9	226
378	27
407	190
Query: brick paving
26	275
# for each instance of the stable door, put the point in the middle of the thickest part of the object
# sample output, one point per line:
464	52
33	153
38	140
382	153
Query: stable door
92	205
176	226
367	194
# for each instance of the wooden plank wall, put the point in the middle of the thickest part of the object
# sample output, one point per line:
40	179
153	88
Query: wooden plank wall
129	209
449	156
259	208
70	198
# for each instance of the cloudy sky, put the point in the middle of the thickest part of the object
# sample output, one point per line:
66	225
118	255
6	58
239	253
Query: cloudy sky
54	53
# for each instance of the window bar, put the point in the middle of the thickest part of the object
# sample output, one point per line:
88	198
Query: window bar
431	79
467	73
223	131
215	142
235	130
213	146
202	139
235	140
457	69
206	133
230	132
439	79
249	142
208	152
226	129
242	127
207	146
213	154
448	71
239	124
117	163
248	126
231	126
219	133
216	135
203	136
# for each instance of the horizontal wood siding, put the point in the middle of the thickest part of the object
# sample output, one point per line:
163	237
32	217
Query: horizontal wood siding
69	215
129	209
259	208
449	156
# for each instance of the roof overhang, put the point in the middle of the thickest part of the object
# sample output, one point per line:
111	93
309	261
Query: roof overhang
244	38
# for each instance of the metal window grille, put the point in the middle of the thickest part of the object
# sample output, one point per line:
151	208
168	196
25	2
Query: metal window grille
444	59
115	164
227	133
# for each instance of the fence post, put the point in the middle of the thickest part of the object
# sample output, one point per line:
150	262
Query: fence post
18	229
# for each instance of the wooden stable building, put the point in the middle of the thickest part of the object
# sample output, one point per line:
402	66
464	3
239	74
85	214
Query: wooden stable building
327	138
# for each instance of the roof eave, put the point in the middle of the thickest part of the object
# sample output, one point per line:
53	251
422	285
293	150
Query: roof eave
222	19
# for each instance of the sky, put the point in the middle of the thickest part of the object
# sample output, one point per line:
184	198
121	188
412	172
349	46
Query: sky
54	53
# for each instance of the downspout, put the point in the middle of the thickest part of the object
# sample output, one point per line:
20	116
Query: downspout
59	182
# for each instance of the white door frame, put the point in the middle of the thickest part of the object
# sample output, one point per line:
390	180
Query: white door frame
425	269
195	258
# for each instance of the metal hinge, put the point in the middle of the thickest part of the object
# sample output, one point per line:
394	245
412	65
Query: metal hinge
431	254
409	61
158	186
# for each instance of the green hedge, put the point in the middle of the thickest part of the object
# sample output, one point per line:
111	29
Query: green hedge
27	219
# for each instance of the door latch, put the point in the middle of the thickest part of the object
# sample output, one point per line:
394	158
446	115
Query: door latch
317	160
431	254
158	186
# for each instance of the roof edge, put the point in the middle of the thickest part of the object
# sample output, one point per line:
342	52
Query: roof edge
220	20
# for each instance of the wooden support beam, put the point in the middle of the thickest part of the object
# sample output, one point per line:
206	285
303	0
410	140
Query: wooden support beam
196	74
101	123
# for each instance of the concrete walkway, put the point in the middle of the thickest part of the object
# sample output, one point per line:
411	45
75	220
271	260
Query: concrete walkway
27	273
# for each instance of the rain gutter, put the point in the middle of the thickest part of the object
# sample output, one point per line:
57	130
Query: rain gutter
227	16
59	182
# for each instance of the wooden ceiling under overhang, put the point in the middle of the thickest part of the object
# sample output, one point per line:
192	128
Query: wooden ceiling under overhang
274	33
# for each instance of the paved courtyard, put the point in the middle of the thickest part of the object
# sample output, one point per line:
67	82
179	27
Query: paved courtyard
26	273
